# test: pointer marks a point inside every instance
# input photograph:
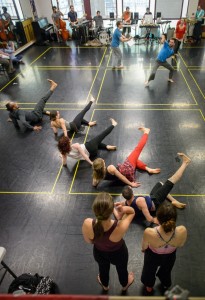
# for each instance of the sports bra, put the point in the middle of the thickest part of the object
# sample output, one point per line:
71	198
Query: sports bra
166	248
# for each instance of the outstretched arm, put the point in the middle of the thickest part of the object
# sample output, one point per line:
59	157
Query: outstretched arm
112	170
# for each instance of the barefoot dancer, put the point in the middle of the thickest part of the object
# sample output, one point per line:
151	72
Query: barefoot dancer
34	116
126	171
107	237
84	151
159	193
75	125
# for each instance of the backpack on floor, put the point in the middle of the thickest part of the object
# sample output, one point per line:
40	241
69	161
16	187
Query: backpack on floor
32	284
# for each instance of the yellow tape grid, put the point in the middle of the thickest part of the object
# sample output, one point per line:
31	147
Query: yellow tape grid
147	104
190	72
95	193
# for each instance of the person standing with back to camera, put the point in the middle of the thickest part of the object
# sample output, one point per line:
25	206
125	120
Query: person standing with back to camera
159	245
107	237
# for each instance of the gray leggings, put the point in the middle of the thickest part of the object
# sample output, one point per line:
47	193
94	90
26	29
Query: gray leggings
157	65
116	57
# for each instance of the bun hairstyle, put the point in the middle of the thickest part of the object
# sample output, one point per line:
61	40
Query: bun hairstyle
64	145
102	207
167	216
98	169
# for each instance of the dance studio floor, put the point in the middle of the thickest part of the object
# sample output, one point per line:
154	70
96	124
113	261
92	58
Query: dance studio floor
43	205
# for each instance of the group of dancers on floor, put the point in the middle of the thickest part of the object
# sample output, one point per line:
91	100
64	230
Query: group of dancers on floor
159	244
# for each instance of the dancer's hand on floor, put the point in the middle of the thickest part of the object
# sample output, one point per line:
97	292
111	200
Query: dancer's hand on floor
135	184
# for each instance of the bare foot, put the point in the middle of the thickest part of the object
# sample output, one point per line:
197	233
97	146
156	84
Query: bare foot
110	147
53	84
93	123
105	288
120	67
131	279
178	204
114	123
185	158
171	80
9	120
153	171
92	99
144	129
146	83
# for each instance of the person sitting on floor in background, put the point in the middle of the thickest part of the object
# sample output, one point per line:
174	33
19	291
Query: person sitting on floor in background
160	192
159	245
10	49
76	125
180	33
6	62
84	151
35	116
107	237
124	172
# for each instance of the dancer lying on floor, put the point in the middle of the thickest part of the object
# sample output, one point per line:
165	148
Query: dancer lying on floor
84	151
159	193
35	116
126	171
76	125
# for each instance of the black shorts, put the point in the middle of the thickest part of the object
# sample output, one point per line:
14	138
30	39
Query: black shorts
160	191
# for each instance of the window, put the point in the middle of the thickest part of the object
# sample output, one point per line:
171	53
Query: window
136	6
10	8
64	7
104	6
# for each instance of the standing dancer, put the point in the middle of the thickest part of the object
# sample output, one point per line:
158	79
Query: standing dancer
107	237
26	117
75	125
126	171
84	151
166	51
116	39
159	245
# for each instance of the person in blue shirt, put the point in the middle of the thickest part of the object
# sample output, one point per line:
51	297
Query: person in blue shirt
116	39
166	51
199	17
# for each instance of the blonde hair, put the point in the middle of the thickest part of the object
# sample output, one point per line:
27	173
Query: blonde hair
99	169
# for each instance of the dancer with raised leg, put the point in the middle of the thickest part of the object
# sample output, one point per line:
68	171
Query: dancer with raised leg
35	116
84	151
160	192
76	125
124	172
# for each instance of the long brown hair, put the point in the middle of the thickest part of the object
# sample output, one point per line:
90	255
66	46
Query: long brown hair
99	170
167	216
102	207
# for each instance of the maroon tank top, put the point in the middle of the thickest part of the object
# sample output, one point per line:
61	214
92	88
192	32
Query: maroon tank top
104	243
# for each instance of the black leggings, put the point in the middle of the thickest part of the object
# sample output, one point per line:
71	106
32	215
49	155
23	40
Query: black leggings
160	191
177	45
39	108
153	261
96	143
118	258
79	118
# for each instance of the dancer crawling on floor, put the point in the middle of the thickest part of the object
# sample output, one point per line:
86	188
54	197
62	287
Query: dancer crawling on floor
75	126
126	171
84	151
160	192
27	117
